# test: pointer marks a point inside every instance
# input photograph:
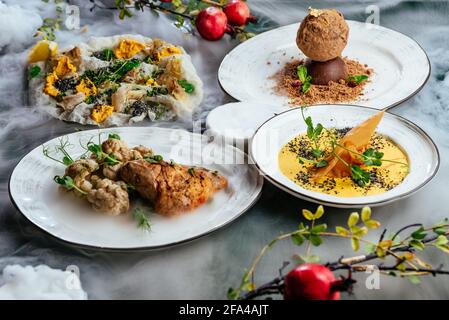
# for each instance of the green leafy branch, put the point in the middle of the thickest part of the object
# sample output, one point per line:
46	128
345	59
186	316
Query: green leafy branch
406	261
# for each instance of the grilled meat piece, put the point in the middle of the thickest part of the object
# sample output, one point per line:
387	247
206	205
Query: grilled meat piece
172	188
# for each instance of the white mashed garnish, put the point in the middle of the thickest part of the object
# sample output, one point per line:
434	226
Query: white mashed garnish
40	283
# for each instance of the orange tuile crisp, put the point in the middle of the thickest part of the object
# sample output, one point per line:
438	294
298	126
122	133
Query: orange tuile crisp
356	139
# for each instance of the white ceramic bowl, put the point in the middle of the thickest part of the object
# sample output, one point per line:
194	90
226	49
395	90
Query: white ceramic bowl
276	132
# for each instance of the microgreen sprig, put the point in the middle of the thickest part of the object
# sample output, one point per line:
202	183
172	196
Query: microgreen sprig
313	133
60	148
68	183
143	221
304	77
96	149
358	79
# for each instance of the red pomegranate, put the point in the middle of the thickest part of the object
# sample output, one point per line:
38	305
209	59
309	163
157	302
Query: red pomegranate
310	281
238	13
165	0
211	23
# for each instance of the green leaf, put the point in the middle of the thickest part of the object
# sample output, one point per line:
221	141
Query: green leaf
342	231
297	239
301	71
187	86
306	87
353	219
114	136
359	176
319	212
372	157
441	240
372	224
318	130
417	244
34	71
355	243
366	213
318	228
321	164
358	79
67	161
419	234
307	214
315	240
359	231
317	153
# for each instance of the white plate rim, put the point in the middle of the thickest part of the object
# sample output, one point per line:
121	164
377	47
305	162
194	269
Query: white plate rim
390	106
256	197
351	205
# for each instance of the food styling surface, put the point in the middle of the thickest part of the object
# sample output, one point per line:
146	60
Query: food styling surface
207	267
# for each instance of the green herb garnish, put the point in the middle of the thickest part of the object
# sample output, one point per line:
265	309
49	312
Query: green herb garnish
191	171
304	77
358	79
35	71
96	149
60	148
112	73
105	55
114	136
359	176
67	182
143	221
187	86
154	159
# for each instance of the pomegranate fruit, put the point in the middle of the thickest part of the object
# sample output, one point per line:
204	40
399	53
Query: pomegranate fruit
310	281
165	0
211	23
238	13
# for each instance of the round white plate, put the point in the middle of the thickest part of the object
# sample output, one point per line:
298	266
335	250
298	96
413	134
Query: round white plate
39	199
401	66
276	132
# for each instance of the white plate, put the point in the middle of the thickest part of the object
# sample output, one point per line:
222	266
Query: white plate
401	66
39	199
280	129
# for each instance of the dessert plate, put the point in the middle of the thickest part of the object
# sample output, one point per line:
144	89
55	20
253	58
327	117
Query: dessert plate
271	136
401	67
39	199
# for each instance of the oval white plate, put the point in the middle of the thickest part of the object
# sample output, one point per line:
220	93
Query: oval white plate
280	129
39	199
401	66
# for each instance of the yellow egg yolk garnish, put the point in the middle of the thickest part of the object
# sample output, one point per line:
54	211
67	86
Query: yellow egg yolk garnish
151	82
64	66
87	87
168	51
42	51
128	48
50	88
101	113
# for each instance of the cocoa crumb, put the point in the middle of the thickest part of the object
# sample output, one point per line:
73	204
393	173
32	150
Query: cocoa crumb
335	92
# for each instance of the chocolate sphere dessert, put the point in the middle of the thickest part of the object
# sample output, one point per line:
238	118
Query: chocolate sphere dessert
322	36
323	72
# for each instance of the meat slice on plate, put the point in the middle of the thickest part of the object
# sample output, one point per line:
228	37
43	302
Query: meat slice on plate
172	188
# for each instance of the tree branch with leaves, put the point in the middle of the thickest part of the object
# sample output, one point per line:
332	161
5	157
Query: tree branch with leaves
402	256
